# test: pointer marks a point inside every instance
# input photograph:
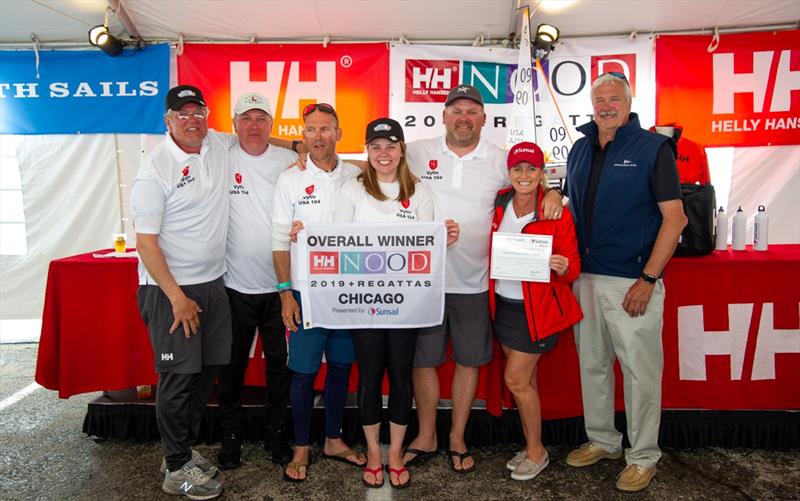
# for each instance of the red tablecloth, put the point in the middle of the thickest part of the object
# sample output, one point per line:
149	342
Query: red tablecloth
93	338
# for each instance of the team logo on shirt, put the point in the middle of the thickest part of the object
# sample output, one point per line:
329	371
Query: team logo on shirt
185	178
309	198
431	174
404	212
238	187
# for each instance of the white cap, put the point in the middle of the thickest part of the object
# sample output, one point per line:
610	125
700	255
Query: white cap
252	101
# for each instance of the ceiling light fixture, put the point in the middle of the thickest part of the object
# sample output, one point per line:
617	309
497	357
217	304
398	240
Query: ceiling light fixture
100	37
546	38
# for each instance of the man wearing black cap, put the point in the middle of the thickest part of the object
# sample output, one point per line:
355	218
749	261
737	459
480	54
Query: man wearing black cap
465	173
180	212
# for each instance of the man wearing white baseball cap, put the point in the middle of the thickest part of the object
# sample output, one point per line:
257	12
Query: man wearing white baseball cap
253	169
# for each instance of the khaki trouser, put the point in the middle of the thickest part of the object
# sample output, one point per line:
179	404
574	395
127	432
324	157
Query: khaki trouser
607	333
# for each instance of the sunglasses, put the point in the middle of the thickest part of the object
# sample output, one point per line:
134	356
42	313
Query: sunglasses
323	107
615	74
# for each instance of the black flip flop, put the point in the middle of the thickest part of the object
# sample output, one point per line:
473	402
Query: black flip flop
462	456
420	457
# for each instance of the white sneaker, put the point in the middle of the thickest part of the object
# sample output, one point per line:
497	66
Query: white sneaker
527	469
190	481
516	460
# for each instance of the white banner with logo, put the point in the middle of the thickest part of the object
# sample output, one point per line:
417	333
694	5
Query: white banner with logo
362	275
421	75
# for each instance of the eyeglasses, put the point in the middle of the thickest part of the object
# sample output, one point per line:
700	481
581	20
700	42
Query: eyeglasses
200	114
615	74
323	107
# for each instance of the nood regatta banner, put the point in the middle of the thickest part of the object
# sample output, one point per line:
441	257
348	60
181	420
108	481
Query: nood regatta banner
361	275
744	93
421	75
354	78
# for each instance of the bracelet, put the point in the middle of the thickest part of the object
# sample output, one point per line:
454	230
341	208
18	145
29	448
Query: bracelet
295	144
283	286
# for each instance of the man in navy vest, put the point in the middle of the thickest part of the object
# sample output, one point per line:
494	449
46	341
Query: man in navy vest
626	201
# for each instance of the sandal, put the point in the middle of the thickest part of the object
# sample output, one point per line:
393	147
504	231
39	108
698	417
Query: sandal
420	457
461	456
296	465
374	472
342	457
398	472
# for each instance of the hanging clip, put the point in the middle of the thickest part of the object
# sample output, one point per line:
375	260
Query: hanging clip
35	40
179	47
714	41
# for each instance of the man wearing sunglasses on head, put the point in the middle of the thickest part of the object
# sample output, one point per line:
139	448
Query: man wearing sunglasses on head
180	212
626	201
305	196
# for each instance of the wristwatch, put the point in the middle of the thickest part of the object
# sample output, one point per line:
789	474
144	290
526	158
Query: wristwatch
650	279
557	189
295	144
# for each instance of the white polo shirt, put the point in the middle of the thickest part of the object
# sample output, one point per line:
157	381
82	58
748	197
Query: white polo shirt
251	184
309	195
465	189
182	197
353	203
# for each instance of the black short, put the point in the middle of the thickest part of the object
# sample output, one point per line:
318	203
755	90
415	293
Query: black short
511	327
175	352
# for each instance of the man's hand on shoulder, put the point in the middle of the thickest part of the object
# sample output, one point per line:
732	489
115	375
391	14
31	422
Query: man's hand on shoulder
552	206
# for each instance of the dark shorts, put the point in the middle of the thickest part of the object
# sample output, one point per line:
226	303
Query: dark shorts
467	322
511	328
175	352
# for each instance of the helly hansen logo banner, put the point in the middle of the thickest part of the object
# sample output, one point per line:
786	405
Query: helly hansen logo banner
353	78
82	92
357	275
745	93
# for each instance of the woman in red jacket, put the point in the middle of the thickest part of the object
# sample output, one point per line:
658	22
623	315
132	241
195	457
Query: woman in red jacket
528	315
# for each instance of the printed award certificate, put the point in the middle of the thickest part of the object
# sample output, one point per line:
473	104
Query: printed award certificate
517	256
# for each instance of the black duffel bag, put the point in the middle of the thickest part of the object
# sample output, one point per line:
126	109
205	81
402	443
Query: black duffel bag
699	204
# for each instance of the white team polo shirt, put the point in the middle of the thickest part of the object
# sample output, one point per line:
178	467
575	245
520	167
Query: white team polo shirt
309	195
182	197
353	203
251	185
465	189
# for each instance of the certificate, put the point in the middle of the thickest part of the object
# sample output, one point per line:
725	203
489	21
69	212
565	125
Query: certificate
518	256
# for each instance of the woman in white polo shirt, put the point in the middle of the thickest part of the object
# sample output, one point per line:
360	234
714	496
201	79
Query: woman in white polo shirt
386	192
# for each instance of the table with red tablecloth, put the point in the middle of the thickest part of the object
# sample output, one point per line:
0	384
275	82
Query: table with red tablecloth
731	336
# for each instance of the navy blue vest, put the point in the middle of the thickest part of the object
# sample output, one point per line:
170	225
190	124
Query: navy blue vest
626	218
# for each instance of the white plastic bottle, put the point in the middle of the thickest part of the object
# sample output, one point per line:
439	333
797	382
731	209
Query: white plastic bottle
761	229
722	230
739	230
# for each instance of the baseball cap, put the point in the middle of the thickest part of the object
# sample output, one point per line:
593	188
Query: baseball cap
385	128
466	92
252	101
182	94
526	152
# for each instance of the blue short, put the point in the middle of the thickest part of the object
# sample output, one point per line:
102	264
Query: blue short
307	345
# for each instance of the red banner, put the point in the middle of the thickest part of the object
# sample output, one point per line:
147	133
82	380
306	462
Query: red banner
354	78
745	93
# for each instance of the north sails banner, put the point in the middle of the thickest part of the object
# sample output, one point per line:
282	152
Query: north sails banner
84	91
362	275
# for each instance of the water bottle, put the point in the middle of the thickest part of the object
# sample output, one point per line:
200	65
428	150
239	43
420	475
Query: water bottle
722	230
739	230
761	229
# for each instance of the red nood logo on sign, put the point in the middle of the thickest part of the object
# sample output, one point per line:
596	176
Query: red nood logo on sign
620	63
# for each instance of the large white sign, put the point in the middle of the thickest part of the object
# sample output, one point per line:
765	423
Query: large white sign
421	75
362	275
